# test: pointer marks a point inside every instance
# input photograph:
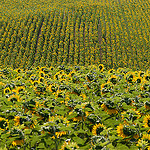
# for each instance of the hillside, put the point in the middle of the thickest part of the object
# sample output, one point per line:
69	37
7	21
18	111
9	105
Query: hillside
44	33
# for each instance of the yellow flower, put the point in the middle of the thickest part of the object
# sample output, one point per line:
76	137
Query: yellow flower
101	67
146	136
83	96
120	131
17	120
68	145
113	79
14	143
41	79
111	71
13	98
7	90
97	129
3	123
146	121
109	111
123	131
17	142
18	89
59	134
42	74
104	107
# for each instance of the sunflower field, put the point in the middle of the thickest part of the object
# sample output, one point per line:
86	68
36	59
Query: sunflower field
74	108
80	32
75	75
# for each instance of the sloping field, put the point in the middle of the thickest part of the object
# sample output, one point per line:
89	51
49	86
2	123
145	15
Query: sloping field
114	33
56	94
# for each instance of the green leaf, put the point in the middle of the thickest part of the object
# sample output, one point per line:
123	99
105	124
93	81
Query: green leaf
121	147
27	131
78	140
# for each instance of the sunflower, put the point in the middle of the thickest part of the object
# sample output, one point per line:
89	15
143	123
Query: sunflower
17	120
69	145
113	79
109	111
141	143
35	82
19	89
138	79
101	67
146	136
42	68
3	123
17	142
140	73
124	131
97	129
120	131
147	77
71	74
19	77
41	79
59	134
111	71
146	121
130	77
42	74
7	90
14	98
18	70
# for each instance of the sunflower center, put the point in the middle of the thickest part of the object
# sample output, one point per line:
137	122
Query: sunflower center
13	99
100	67
2	124
99	130
127	131
113	80
7	91
138	80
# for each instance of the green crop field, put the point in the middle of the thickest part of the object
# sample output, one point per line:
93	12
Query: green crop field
75	75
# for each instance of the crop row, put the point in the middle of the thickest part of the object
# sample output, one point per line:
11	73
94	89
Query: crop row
113	34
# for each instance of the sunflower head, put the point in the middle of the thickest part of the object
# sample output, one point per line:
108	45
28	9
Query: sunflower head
7	90
41	73
138	79
69	145
3	123
41	79
17	120
125	131
19	89
113	79
14	98
130	77
98	128
146	137
18	142
101	67
146	121
111	71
